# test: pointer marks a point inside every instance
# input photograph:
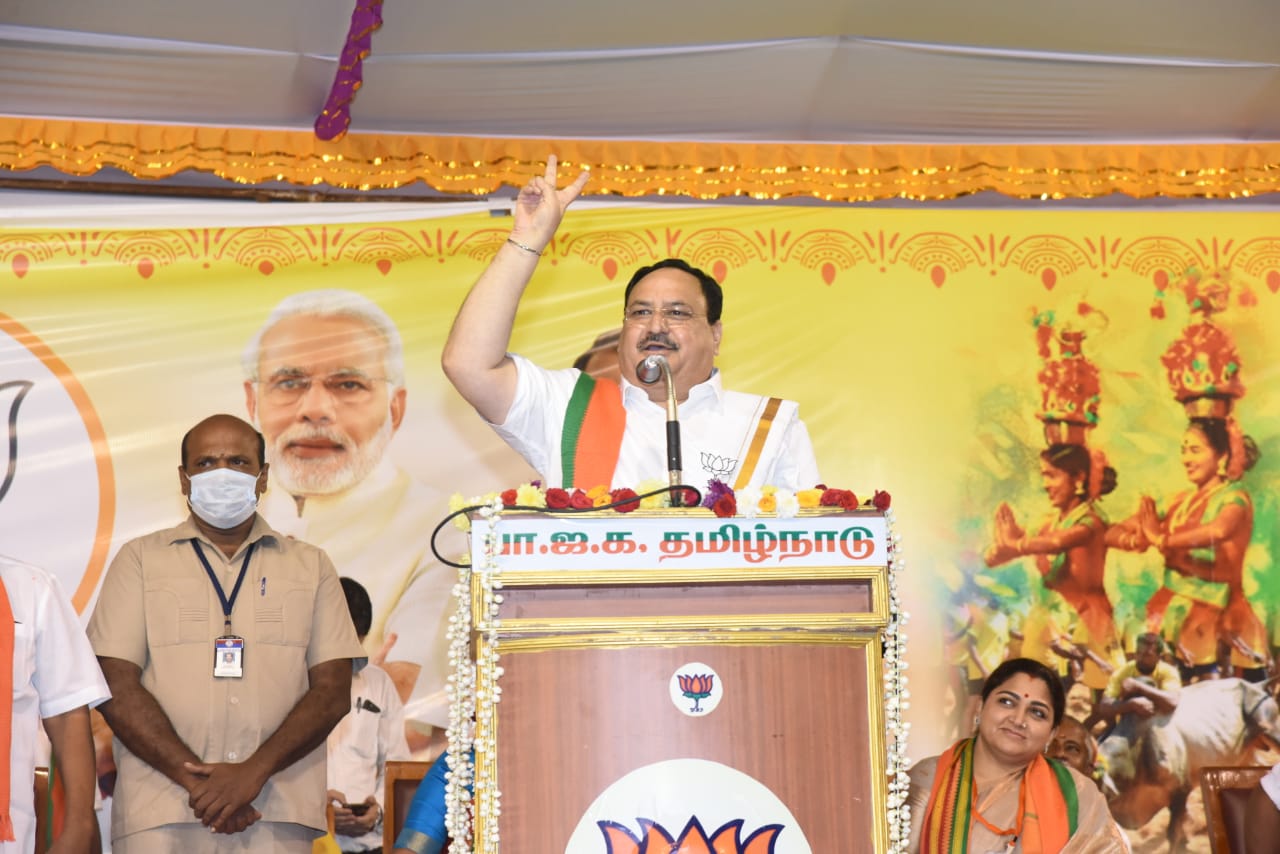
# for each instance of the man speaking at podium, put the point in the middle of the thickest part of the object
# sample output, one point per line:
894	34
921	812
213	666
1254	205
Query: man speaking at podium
579	432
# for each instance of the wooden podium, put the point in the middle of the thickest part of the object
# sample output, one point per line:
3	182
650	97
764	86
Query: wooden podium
598	744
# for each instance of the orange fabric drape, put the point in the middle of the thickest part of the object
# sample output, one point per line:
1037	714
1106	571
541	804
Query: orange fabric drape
701	170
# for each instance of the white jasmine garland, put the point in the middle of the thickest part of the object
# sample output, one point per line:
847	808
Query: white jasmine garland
896	700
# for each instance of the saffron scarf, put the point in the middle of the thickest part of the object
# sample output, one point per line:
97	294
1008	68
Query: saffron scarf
594	422
6	711
1049	795
591	439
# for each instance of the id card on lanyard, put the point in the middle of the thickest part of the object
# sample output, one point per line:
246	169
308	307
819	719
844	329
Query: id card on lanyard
228	648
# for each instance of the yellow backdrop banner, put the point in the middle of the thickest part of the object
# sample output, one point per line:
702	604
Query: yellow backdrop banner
910	339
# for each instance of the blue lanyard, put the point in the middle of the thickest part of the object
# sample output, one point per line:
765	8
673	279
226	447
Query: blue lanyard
227	604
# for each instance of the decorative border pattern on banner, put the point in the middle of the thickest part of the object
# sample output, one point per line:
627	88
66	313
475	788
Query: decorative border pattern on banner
828	253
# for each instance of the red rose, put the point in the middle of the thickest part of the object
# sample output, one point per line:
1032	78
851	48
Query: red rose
726	506
881	500
848	500
624	494
509	498
557	498
830	498
580	500
688	497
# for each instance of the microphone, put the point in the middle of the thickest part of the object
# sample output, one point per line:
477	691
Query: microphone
648	371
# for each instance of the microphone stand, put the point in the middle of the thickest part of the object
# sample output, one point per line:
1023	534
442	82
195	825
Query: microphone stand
648	372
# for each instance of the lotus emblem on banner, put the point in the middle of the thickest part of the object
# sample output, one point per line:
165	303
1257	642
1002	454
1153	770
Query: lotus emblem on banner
11	397
693	839
57	491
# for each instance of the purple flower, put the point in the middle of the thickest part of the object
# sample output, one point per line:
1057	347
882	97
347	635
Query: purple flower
716	489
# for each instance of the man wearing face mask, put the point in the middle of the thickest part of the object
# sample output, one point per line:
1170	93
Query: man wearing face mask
228	650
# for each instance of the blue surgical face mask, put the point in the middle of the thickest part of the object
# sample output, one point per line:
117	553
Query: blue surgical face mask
223	497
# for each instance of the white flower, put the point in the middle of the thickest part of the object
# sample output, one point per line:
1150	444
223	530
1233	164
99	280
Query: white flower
748	499
788	504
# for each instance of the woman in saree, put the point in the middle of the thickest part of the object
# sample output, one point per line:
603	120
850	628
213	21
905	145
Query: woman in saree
424	830
1202	536
1070	551
997	792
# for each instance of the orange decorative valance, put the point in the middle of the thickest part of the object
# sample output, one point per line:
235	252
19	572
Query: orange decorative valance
701	170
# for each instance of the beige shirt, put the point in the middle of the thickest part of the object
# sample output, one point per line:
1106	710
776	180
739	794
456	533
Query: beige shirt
158	609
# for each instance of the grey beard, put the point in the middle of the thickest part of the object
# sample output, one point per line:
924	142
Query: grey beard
325	477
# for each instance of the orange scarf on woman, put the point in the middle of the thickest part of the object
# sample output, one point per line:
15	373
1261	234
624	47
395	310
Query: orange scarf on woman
1048	793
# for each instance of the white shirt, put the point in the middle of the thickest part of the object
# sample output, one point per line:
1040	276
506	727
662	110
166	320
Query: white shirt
379	533
362	742
716	429
54	671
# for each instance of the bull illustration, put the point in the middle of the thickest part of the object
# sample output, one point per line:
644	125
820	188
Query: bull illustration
1216	722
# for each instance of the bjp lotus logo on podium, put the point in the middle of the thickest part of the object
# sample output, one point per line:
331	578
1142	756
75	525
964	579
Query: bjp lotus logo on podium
696	688
668	807
654	838
697	682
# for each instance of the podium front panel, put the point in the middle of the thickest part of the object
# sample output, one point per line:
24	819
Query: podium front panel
793	716
682	684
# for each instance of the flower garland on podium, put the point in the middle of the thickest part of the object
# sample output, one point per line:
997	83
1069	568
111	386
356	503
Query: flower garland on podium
472	791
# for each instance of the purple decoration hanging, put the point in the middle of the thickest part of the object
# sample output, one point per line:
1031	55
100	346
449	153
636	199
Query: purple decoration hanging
335	118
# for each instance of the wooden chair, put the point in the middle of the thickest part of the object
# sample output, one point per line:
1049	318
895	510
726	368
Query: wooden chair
402	779
1226	792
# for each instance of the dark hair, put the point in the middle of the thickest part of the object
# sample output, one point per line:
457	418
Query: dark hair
711	290
1149	639
1215	432
358	604
1034	669
262	442
1076	462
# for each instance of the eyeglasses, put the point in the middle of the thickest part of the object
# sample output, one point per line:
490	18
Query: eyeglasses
342	387
672	316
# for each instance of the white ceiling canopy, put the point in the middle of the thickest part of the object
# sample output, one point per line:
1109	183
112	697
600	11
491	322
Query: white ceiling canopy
805	71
